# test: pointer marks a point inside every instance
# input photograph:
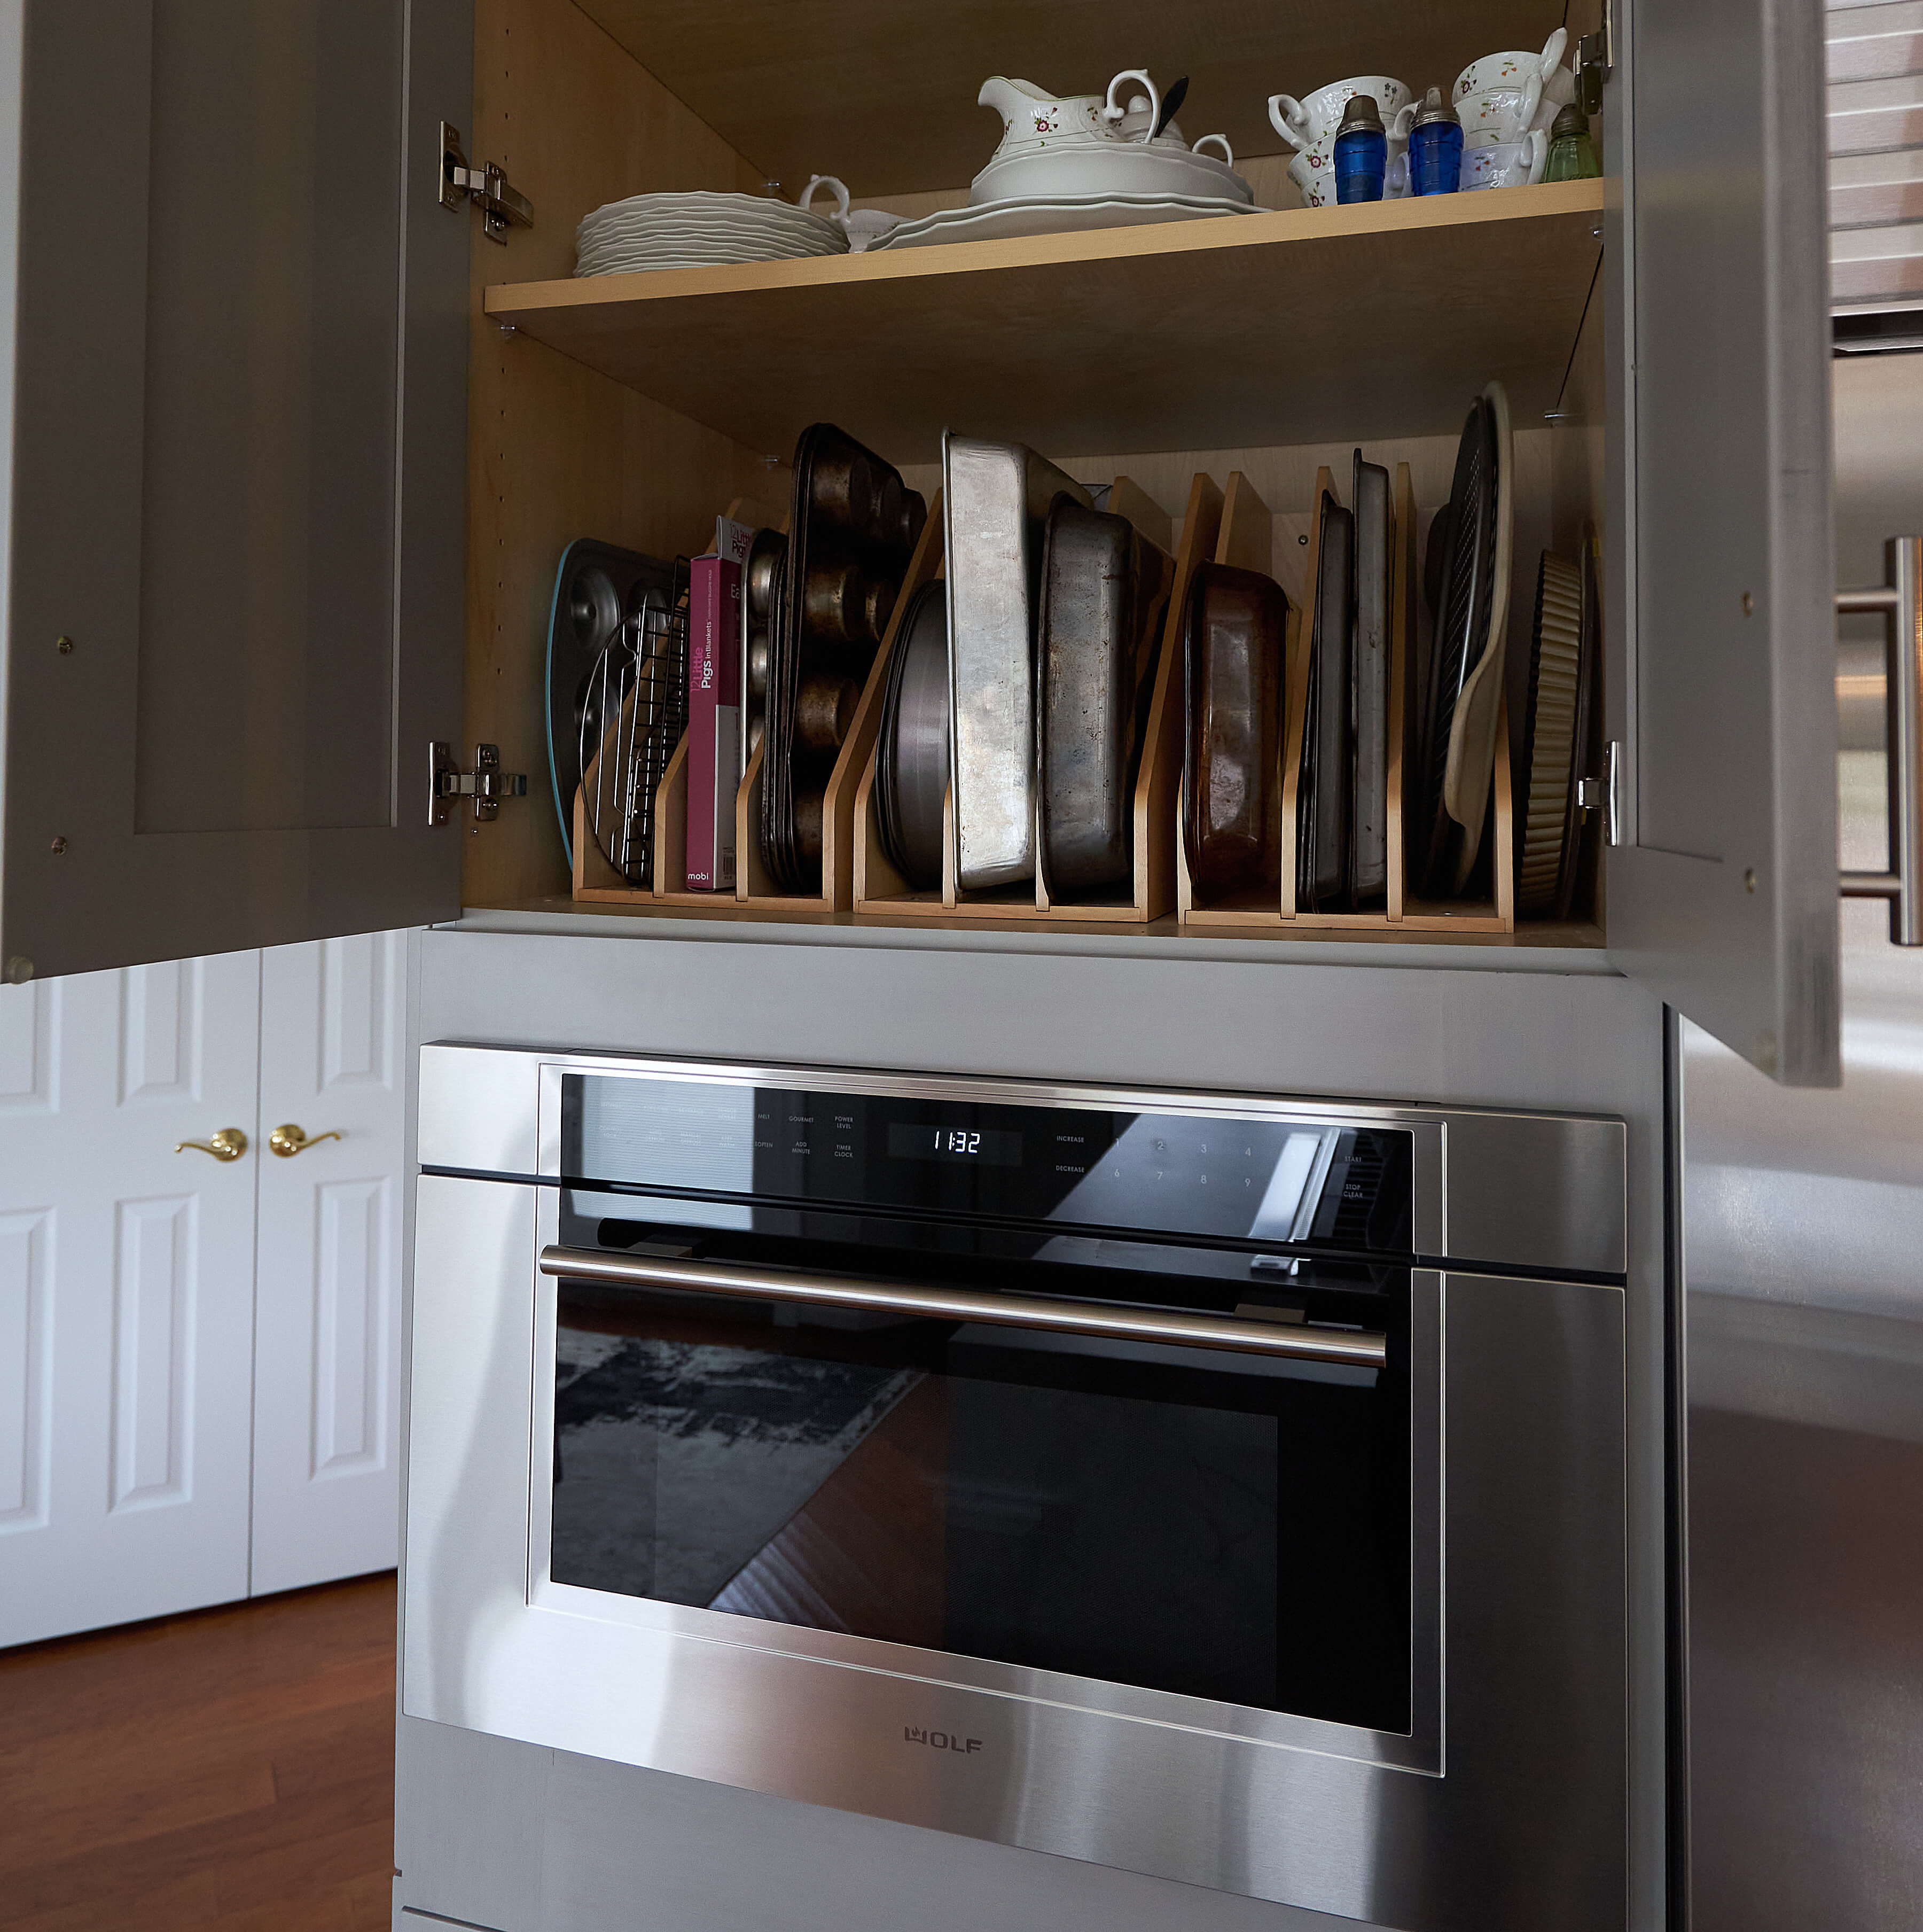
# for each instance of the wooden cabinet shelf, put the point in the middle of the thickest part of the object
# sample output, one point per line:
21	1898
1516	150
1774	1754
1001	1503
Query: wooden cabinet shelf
1296	326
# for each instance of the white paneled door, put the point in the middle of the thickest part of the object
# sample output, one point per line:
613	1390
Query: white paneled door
327	1413
127	1276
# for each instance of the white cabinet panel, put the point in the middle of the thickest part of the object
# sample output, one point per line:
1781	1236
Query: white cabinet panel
153	1340
29	1050
126	1294
160	1030
352	1294
25	1248
327	1496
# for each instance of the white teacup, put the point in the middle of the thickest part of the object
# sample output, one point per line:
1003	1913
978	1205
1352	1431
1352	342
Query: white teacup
1310	127
1506	163
1502	97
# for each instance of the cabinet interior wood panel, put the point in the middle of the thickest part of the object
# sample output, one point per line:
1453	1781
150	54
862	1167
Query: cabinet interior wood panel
804	94
557	451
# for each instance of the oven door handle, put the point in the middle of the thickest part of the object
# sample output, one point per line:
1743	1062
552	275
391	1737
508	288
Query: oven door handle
962	1304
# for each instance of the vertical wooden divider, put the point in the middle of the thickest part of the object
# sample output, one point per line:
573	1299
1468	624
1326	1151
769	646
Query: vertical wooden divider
951	854
670	872
875	885
1404	581
1506	822
1301	645
1201	530
1248	537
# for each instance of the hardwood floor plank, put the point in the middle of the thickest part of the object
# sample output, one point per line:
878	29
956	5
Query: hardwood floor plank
231	1771
172	1666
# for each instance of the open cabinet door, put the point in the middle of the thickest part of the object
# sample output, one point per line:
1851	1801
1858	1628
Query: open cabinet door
1723	890
234	360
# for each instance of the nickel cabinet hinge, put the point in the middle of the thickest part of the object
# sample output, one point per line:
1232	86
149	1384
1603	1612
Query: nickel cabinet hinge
501	205
1603	795
487	784
1595	61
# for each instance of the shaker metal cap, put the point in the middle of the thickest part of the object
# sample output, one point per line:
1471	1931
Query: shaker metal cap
1435	108
1361	115
1571	121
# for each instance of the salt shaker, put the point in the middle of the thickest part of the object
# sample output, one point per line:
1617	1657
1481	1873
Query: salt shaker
1435	147
1361	151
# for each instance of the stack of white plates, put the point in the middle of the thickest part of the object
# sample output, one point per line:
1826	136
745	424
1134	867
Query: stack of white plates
699	230
1052	215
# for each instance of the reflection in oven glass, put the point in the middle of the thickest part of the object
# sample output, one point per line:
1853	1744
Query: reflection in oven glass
1226	1527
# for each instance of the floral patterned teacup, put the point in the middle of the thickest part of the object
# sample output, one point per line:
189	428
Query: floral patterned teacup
1498	98
1309	126
1506	163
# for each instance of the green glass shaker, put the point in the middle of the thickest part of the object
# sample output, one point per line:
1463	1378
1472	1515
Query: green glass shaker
1572	155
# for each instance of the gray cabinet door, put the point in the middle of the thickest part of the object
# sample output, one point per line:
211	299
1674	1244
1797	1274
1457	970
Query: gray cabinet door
234	516
1722	894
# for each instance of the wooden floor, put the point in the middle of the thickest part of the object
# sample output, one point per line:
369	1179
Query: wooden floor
230	1772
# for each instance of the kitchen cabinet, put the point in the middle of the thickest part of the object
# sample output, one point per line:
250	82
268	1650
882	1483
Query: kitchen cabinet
199	1389
262	411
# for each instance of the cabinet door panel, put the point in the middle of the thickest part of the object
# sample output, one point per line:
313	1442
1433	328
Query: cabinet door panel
233	267
327	1320
1723	895
126	1294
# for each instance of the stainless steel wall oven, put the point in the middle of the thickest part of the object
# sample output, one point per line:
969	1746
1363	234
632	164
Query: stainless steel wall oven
1226	1488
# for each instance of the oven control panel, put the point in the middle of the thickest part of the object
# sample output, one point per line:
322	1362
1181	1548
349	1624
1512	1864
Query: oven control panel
1272	1181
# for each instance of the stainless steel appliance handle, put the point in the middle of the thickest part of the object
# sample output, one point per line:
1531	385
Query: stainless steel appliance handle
961	1304
1900	600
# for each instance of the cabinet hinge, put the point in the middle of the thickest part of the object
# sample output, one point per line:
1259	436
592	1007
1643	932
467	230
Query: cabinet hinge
1601	795
487	784
1595	61
500	204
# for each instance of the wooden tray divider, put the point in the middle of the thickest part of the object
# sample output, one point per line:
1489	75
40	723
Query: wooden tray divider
1404	581
671	885
1201	531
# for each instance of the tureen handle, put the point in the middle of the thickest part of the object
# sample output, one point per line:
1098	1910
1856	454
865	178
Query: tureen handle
1112	110
1222	140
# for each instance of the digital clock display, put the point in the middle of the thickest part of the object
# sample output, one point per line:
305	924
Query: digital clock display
979	1147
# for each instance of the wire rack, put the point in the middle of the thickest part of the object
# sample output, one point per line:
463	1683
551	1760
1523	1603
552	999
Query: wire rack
633	712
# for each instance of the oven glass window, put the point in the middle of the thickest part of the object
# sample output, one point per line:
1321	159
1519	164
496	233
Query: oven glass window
1227	1526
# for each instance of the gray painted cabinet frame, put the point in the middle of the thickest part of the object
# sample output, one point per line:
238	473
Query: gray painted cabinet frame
238	484
225	771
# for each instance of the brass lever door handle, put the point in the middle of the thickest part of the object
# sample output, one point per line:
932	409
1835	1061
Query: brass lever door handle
289	1140
229	1144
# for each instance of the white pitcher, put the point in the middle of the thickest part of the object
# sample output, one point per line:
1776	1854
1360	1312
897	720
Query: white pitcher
1096	144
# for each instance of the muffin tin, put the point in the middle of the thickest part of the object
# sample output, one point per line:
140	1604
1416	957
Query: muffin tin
852	529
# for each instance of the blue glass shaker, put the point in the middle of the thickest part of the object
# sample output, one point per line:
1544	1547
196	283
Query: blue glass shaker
1435	148
1361	151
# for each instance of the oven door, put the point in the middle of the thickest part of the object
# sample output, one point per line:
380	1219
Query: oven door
805	1545
952	1475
